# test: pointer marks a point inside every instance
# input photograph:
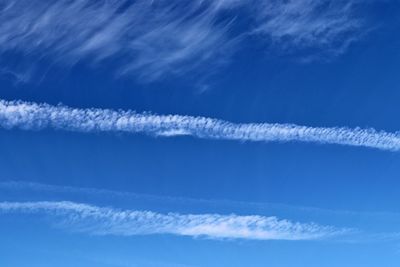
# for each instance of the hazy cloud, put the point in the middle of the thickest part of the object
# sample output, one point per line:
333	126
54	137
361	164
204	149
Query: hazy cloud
151	39
108	221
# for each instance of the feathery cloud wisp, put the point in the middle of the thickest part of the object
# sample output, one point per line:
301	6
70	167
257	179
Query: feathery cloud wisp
309	23
108	221
149	37
33	116
156	38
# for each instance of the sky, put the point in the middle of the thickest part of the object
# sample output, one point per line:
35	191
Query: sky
199	133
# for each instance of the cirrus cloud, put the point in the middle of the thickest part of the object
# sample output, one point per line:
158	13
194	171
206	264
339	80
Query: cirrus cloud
152	39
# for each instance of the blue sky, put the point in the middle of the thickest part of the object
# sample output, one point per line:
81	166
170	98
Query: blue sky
199	133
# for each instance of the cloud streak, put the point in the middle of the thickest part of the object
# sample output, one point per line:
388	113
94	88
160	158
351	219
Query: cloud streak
63	192
107	221
156	38
33	116
302	24
147	37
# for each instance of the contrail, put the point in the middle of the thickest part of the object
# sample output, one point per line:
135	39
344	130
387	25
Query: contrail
34	116
108	221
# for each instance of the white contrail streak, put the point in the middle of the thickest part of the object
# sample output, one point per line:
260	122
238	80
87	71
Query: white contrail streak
33	116
108	221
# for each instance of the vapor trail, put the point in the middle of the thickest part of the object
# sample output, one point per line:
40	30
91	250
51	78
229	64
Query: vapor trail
34	116
107	221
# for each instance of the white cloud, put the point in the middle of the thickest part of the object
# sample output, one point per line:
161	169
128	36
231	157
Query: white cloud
108	221
32	116
155	38
297	24
149	37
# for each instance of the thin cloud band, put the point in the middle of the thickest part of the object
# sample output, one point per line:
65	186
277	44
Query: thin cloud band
107	221
34	116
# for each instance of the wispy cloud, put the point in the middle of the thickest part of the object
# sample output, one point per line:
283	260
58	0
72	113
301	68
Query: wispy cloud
148	37
301	24
33	116
156	38
359	231
108	221
65	191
